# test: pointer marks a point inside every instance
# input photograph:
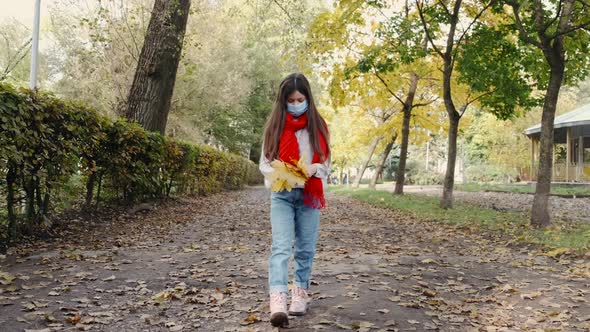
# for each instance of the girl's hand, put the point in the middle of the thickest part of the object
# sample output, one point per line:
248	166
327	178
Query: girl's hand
311	169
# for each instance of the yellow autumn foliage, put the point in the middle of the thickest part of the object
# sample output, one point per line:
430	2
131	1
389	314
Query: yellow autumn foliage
288	175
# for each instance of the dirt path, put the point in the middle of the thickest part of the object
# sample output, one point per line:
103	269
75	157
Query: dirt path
201	264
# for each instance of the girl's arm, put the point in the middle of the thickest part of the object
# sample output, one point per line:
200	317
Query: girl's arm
264	165
323	169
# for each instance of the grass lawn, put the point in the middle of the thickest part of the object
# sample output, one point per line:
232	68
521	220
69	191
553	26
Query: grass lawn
557	237
523	188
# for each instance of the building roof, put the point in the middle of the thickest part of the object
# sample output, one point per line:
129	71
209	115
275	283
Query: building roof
578	117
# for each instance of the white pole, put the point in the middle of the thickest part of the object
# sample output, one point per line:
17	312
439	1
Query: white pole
427	150
35	48
463	161
427	153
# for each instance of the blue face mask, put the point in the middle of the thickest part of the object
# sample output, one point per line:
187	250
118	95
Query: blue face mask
297	109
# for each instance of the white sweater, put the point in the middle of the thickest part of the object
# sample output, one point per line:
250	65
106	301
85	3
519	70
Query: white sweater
305	149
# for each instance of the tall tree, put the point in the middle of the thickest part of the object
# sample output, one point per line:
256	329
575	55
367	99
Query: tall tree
560	30
365	165
488	69
387	49
440	13
350	138
381	163
153	84
401	50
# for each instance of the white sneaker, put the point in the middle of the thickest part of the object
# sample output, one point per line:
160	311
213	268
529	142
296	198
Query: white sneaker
300	301
278	309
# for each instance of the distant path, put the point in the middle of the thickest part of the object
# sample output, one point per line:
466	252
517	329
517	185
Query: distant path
202	263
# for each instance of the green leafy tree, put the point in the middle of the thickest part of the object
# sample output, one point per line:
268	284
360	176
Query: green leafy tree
557	33
380	60
456	31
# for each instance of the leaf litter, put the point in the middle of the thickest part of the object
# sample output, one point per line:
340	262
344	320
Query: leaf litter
200	263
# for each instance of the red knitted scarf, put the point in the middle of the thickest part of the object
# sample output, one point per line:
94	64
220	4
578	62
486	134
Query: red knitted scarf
313	193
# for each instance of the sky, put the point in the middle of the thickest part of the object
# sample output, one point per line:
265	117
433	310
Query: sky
23	10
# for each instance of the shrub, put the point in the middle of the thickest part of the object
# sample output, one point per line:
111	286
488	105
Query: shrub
48	145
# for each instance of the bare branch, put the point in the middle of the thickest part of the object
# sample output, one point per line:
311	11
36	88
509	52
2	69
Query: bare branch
283	9
143	28
135	57
548	25
453	27
582	26
389	89
462	110
426	30
540	24
348	47
469	102
522	31
20	54
385	16
565	19
130	30
389	114
473	21
425	103
445	7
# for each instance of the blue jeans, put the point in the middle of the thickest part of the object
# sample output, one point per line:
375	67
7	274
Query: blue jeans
290	219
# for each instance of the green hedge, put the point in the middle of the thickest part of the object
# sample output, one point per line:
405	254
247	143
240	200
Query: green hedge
46	143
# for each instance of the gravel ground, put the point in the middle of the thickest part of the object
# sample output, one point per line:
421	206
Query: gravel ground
566	209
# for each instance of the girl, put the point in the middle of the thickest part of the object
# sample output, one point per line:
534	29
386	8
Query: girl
294	130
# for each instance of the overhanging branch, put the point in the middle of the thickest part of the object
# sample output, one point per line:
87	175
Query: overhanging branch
426	30
473	22
389	89
521	29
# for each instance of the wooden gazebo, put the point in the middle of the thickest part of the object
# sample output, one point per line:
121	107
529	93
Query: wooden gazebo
571	158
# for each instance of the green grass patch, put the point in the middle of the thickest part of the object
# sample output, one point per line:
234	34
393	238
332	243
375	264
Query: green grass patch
574	237
523	188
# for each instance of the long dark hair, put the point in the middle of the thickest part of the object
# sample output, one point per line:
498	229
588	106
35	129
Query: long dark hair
276	121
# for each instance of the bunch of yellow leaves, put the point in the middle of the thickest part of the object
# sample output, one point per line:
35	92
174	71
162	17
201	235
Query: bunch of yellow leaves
288	175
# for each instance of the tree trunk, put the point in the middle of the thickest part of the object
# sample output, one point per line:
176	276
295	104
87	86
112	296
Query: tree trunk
39	196
540	210
169	187
400	174
372	148
46	201
30	193
153	84
10	179
446	201
90	189
381	163
99	189
449	181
